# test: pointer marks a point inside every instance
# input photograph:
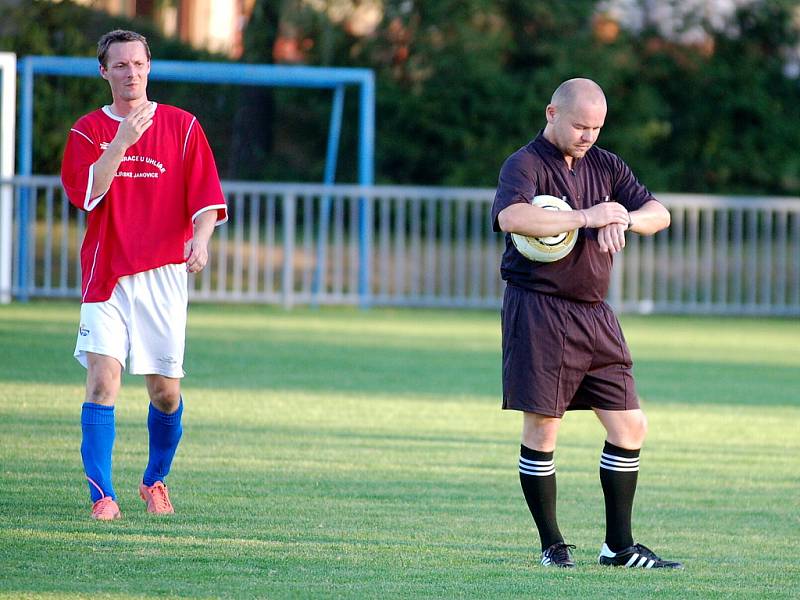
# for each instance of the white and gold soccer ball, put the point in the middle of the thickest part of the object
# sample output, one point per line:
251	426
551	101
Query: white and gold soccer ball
549	248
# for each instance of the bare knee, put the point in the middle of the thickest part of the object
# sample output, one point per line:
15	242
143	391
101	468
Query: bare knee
101	392
632	435
540	432
103	379
626	429
165	393
638	430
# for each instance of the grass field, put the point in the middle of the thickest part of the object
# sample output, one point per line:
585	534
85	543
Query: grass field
363	454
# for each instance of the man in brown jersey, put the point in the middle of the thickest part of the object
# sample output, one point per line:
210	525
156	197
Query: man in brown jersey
563	348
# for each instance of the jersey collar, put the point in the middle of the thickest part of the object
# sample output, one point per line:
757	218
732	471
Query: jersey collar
107	111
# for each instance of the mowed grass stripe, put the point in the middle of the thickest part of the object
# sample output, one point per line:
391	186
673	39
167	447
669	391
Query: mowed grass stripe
346	453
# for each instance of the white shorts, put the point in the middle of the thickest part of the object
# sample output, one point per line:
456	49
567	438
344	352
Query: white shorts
144	321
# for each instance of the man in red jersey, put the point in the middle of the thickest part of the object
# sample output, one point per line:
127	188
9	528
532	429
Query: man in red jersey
146	175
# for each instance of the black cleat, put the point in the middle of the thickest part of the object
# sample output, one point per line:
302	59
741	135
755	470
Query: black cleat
558	555
634	556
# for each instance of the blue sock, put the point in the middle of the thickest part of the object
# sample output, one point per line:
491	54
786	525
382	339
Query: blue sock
165	433
97	425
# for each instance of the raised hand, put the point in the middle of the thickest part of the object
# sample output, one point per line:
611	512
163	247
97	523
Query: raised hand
135	124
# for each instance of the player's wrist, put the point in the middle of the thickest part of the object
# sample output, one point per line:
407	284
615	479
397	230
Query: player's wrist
117	147
629	226
585	218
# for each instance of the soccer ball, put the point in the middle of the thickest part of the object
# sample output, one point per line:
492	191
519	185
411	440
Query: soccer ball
549	248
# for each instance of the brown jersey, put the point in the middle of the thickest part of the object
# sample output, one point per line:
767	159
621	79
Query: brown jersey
539	168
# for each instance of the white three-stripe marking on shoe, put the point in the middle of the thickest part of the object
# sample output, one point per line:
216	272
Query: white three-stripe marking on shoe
650	564
632	559
641	561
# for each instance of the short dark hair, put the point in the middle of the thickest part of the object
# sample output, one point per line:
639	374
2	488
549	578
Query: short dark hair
116	36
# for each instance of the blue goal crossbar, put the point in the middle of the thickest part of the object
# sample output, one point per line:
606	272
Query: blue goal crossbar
334	78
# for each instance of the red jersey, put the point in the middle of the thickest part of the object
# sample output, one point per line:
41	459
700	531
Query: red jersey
165	180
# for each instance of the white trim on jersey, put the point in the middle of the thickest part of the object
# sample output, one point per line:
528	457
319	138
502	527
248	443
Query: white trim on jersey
87	198
188	131
83	134
212	207
88	203
107	110
91	273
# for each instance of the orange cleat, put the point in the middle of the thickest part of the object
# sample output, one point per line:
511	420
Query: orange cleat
106	509
157	498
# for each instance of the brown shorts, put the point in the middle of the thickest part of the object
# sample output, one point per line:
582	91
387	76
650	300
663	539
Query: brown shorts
561	355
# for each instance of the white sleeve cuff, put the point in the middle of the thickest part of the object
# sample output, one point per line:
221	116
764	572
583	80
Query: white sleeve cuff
88	202
212	207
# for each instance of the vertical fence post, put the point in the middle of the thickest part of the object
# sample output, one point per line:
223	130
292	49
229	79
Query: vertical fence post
25	168
289	218
8	113
366	150
334	133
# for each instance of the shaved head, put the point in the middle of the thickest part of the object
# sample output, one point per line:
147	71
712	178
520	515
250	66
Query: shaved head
575	115
568	92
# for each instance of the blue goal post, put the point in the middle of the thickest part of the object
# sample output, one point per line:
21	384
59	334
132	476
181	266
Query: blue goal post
334	78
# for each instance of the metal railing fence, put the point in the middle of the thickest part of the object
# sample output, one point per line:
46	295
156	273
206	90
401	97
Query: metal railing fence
294	244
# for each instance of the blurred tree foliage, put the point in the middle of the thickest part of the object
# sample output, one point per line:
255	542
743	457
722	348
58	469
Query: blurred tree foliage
67	29
462	83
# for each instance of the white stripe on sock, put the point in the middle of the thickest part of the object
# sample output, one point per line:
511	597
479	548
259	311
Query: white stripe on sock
618	463
537	473
619	458
625	469
542	468
536	462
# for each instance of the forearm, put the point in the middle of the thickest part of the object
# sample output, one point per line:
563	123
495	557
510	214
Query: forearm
106	167
204	225
534	221
196	249
650	218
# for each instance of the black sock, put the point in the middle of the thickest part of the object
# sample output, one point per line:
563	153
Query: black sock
619	470
537	475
